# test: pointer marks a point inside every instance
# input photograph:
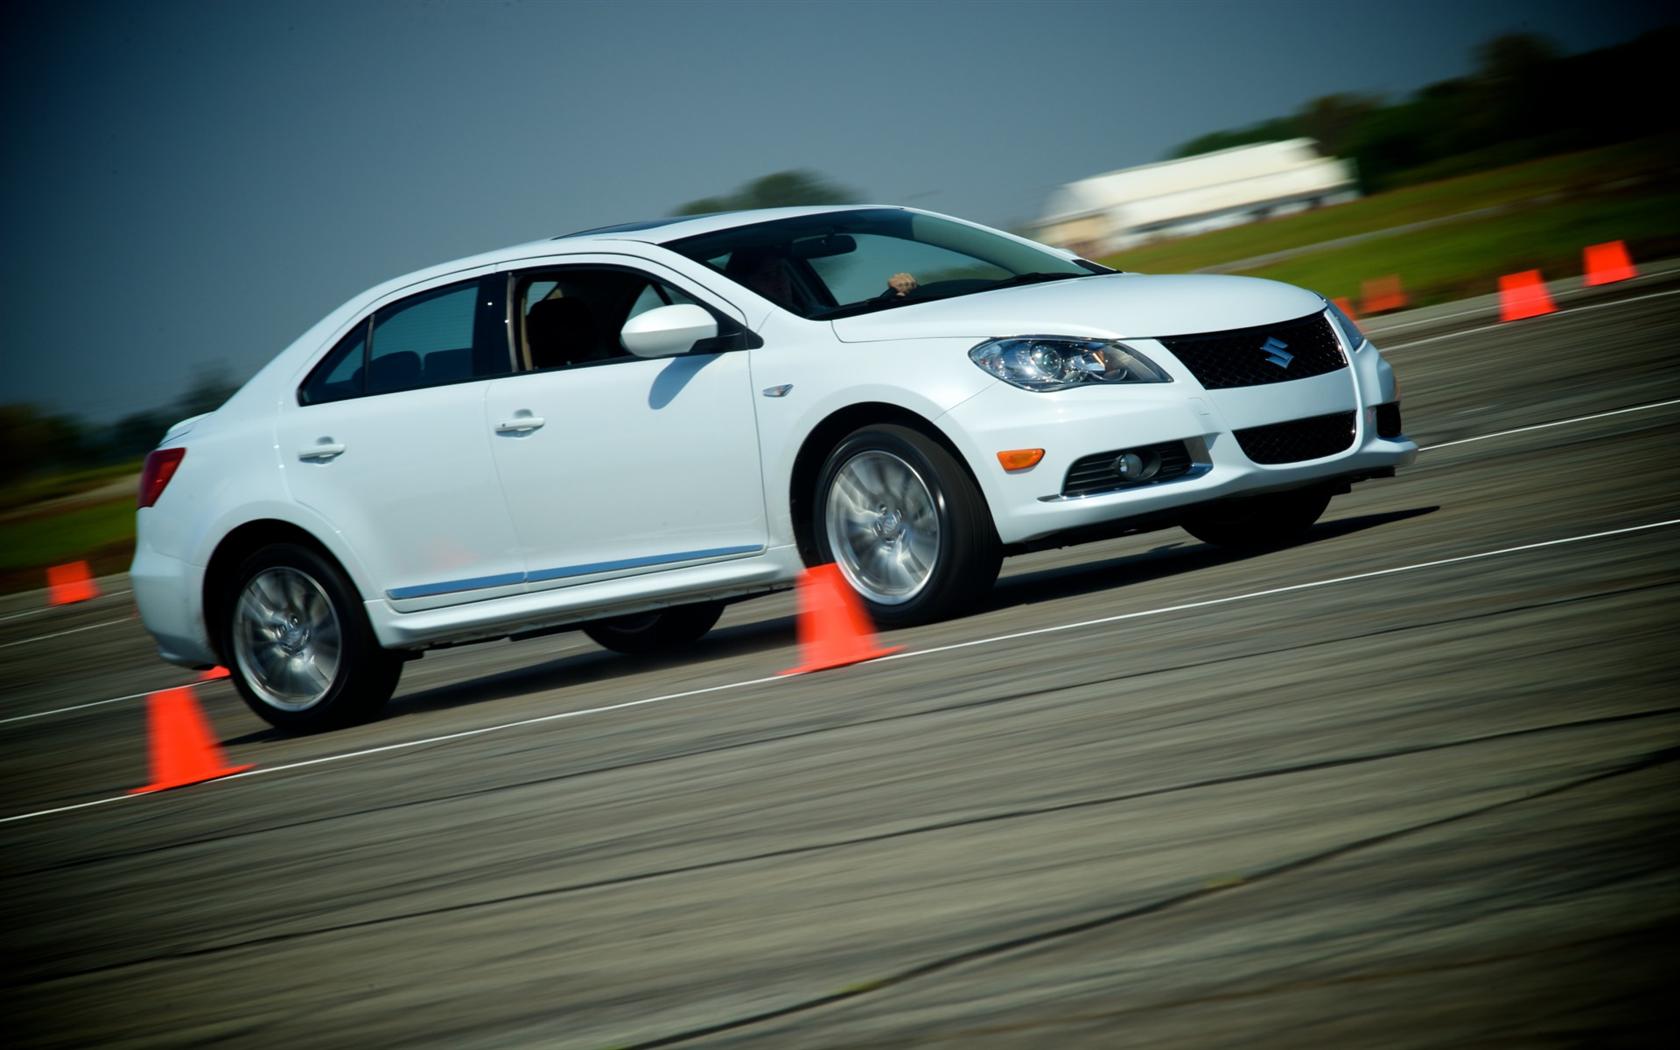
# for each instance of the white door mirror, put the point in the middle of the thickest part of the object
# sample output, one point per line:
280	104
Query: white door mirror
667	330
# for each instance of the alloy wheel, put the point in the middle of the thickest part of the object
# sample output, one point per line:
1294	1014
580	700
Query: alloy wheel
883	527
287	639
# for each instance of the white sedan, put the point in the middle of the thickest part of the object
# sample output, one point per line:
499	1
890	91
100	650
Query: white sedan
625	428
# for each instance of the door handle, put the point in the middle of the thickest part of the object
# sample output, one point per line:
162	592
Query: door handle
324	451
520	424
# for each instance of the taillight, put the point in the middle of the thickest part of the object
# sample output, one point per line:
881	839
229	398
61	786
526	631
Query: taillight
160	467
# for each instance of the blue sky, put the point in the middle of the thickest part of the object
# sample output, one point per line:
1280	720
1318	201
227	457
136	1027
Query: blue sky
189	185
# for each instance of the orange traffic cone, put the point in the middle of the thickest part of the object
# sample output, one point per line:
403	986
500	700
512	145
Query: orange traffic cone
1523	295
215	674
1382	294
833	628
70	583
183	751
1608	263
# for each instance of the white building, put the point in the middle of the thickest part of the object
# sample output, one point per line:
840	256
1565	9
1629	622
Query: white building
1174	198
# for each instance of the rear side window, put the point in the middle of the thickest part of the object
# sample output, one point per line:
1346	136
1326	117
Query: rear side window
447	335
339	375
428	333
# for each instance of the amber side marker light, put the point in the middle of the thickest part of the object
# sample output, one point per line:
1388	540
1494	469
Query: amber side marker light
1020	458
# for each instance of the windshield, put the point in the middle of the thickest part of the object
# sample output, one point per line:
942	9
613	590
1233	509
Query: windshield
852	262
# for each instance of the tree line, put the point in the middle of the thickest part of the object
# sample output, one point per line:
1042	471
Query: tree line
1524	99
36	441
782	189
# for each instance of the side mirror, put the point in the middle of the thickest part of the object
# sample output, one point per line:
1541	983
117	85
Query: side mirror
666	331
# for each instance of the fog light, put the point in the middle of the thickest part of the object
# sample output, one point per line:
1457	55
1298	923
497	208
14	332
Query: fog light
1132	466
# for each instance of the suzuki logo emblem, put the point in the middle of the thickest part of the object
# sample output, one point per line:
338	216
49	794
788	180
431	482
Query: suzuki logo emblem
1274	349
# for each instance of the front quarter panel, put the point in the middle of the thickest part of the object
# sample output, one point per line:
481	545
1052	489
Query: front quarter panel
928	377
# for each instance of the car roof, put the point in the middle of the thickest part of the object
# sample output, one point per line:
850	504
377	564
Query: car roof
611	238
663	231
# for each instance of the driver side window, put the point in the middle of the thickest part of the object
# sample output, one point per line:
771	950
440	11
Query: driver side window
571	317
655	295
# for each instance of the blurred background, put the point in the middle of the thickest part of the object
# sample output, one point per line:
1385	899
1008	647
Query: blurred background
188	186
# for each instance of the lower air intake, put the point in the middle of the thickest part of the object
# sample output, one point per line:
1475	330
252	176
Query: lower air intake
1125	467
1388	420
1312	438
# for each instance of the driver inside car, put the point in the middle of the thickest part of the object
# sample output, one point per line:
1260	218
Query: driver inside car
899	285
766	272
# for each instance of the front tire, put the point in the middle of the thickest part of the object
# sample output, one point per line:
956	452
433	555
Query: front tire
298	643
1260	522
655	632
905	524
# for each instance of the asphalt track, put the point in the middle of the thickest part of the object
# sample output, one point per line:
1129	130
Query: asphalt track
1410	783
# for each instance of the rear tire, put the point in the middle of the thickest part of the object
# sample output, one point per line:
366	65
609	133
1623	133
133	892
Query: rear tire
298	643
906	525
657	631
1260	522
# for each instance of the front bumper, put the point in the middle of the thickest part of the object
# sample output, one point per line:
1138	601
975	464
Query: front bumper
1028	505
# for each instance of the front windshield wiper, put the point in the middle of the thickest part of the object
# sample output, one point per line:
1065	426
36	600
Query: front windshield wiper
1036	277
869	306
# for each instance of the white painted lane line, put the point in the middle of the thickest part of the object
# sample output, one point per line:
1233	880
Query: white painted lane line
1269	592
66	809
61	634
773	679
1556	423
1505	324
45	609
441	739
556	717
79	707
409	677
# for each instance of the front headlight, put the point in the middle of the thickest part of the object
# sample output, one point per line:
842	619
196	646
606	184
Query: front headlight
1352	337
1045	363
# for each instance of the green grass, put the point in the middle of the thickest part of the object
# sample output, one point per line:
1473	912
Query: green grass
102	534
1464	259
1648	162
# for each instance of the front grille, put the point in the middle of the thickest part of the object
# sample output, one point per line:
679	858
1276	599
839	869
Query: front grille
1298	439
1388	420
1274	353
1097	473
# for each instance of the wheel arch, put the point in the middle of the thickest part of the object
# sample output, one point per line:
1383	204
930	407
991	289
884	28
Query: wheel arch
240	544
827	434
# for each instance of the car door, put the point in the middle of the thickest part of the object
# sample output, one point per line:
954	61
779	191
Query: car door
386	441
614	465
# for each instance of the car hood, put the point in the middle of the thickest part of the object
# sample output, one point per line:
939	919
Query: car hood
1112	306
